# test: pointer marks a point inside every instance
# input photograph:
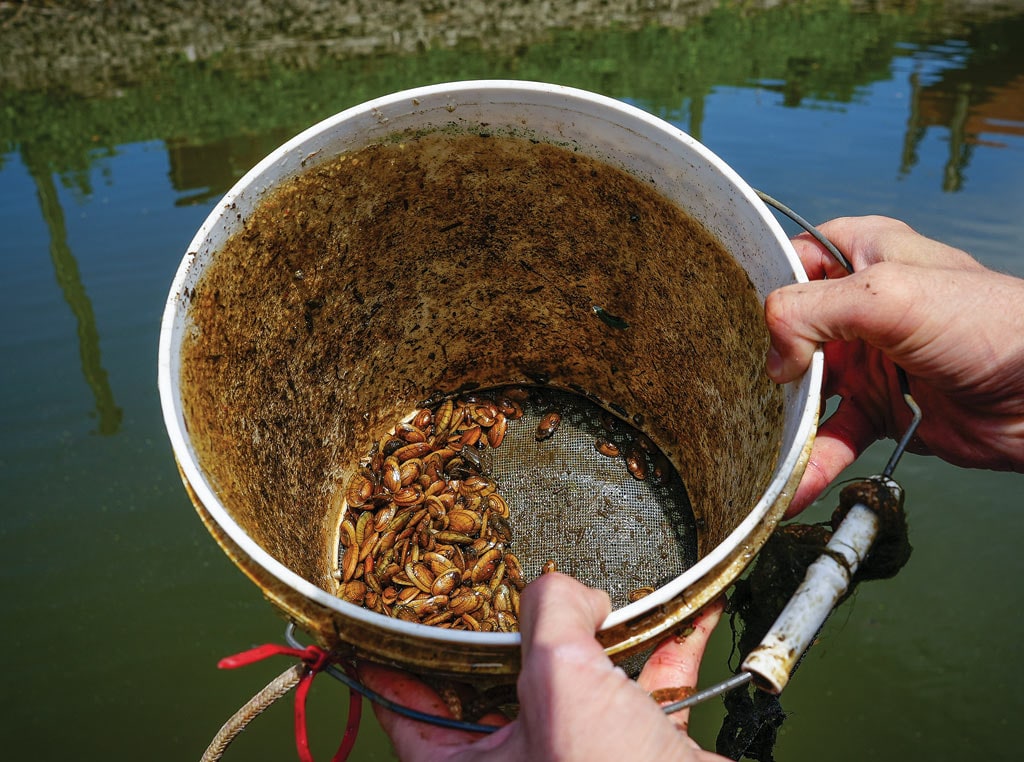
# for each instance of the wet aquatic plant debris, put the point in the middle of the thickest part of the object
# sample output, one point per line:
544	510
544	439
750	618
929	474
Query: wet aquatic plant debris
750	728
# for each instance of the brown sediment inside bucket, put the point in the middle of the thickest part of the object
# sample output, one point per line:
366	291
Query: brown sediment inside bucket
452	261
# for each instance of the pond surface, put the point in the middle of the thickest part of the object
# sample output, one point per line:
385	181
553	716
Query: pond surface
119	604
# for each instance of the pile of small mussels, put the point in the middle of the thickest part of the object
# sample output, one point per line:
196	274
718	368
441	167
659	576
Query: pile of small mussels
425	532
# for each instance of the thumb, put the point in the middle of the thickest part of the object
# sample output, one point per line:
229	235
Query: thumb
558	612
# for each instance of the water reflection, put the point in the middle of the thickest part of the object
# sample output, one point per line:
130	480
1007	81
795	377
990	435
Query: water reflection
931	104
201	172
968	89
69	279
981	95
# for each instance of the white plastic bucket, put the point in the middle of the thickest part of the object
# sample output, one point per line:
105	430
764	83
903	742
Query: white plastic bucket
647	147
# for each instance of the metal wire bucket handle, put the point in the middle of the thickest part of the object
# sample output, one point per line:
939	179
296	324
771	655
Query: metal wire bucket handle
770	664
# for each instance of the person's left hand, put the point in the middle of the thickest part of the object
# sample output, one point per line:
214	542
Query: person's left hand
574	703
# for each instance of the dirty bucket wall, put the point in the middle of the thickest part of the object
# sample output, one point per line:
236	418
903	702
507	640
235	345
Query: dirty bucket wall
489	236
453	261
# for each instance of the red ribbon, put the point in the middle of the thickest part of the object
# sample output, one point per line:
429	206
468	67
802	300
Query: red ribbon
316	660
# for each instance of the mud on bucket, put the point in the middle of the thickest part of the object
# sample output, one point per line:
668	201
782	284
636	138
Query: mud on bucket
464	242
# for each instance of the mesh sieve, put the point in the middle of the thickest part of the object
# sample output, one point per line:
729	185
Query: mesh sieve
583	509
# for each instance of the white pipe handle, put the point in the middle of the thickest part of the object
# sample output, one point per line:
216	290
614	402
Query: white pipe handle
827	580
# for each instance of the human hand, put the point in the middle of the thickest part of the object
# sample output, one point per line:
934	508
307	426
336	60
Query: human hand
575	705
954	326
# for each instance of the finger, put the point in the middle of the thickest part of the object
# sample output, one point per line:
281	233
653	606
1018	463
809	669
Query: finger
561	613
880	306
865	241
675	662
570	691
818	261
566	674
839	442
795	327
412	739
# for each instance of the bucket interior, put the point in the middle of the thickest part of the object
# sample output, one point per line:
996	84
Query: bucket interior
342	286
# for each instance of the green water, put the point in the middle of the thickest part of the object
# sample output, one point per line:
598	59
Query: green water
118	603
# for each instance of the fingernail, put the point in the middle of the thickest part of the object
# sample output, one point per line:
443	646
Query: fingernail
773	363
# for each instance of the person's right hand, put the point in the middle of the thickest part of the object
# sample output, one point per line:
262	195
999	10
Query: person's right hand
575	705
955	327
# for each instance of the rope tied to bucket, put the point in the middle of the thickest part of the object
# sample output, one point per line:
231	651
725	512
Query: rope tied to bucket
313	660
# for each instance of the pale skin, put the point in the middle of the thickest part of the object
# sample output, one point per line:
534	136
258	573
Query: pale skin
955	327
575	704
